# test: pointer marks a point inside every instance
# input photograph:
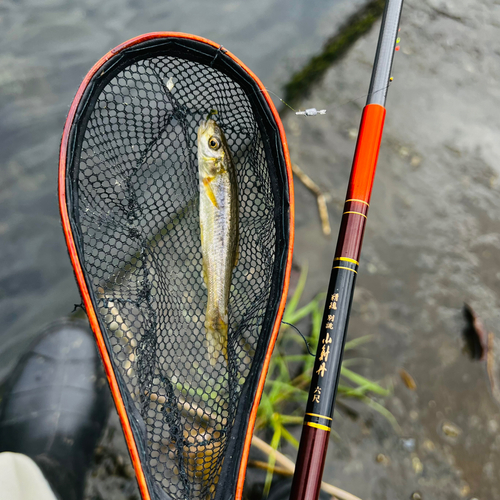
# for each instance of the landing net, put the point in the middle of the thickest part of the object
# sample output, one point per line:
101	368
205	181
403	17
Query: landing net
132	197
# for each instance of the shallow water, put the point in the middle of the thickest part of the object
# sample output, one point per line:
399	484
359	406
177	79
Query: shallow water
47	47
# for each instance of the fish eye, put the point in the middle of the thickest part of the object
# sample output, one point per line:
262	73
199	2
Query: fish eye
214	143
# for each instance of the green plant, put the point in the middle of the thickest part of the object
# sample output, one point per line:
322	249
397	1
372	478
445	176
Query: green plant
289	377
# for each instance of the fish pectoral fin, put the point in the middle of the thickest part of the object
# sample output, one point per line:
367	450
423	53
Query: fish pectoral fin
209	191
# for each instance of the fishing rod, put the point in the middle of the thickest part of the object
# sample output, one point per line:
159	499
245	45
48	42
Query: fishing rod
325	379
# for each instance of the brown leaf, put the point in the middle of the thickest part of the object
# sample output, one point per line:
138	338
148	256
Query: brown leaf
407	379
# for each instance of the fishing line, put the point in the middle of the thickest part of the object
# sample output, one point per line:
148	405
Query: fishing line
276	95
314	111
301	334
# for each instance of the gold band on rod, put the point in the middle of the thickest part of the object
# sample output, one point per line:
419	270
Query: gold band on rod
316	415
348	268
318	426
347	259
357	213
360	201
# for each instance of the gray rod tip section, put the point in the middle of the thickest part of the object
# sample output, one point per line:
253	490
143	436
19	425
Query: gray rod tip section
384	56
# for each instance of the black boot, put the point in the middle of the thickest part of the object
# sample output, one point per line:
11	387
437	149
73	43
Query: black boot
55	405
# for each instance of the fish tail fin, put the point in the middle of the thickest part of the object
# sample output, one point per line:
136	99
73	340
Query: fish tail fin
216	339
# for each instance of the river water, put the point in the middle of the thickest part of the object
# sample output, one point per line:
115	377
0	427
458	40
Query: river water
47	47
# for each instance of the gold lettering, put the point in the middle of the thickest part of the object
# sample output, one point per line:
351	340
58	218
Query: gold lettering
316	395
324	354
322	369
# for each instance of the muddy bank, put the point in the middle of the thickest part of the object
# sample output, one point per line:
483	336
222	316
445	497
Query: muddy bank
432	242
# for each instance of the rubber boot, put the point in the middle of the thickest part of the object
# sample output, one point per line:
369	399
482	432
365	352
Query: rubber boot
55	405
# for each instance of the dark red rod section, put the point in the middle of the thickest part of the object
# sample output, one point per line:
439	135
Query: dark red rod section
325	378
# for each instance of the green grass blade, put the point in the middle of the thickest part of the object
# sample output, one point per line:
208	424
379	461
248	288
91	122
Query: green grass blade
384	412
294	301
291	419
295	316
289	438
363	382
297	357
275	441
357	342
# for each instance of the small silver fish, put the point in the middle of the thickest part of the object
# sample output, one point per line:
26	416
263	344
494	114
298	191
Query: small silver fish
219	231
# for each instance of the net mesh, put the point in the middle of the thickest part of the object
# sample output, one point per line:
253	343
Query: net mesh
135	210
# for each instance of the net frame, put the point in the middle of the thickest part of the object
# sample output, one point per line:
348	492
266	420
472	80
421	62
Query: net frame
231	484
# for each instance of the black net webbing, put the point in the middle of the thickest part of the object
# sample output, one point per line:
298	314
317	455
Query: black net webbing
133	201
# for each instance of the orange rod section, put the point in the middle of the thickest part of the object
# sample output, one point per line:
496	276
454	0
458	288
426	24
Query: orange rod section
367	149
83	285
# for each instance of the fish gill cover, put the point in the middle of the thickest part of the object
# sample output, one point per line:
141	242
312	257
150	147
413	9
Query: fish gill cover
133	203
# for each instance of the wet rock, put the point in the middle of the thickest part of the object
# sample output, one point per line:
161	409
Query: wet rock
428	445
415	161
464	490
408	444
404	152
489	470
417	465
492	426
382	459
451	430
353	134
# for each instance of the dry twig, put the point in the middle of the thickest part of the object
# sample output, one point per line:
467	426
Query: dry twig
320	197
258	464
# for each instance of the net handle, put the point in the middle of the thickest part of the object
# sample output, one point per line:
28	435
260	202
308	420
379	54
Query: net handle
82	284
321	400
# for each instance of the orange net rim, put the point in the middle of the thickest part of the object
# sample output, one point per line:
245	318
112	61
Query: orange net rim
77	267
